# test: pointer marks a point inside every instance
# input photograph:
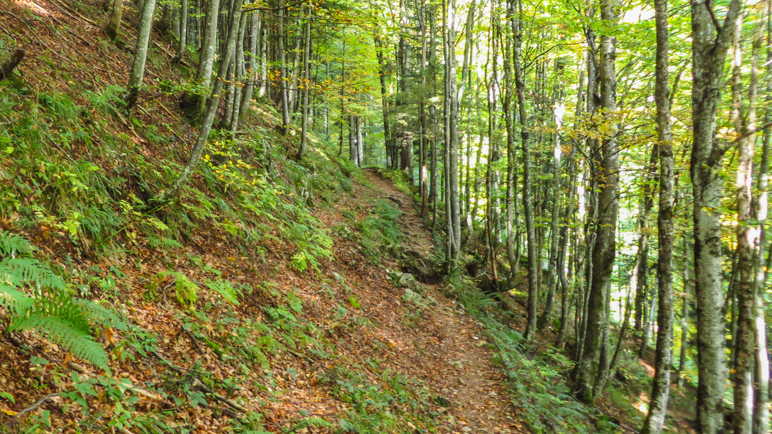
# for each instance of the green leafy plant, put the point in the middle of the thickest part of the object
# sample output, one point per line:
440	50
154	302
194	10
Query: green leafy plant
185	290
39	300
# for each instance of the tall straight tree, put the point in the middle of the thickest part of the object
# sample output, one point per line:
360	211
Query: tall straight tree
530	227
252	72
140	56
423	176
709	48
761	377
173	191
593	366
451	134
306	83
192	102
114	22
283	91
655	419
511	157
182	43
744	119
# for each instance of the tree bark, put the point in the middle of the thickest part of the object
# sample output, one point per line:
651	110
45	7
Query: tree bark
593	365
283	92
761	374
552	278
306	83
655	419
747	236
173	191
454	217
114	23
183	33
252	73
533	290
709	47
138	68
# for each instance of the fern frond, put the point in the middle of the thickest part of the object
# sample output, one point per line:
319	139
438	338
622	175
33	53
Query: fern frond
12	244
24	271
101	315
14	300
48	302
66	333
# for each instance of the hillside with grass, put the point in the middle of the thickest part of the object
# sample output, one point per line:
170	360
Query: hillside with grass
274	295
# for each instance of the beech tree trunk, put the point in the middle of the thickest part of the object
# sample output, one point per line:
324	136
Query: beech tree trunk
533	290
183	33
306	83
593	366
114	23
138	68
252	72
208	45
761	373
747	235
655	419
454	217
173	191
709	47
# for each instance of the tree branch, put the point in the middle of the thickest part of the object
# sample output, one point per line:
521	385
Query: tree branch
35	405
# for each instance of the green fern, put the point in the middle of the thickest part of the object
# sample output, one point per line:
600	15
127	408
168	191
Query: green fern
67	333
12	244
48	308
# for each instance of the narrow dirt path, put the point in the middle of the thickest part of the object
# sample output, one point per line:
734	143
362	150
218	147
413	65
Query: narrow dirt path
450	350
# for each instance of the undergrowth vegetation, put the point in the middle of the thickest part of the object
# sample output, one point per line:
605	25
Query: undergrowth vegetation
75	180
536	381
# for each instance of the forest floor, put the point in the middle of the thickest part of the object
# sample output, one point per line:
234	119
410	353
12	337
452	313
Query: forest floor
344	348
448	350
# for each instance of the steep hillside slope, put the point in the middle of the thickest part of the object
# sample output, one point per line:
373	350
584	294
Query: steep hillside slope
275	296
263	301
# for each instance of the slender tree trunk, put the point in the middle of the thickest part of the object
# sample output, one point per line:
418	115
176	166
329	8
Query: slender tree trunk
208	44
114	23
360	143
684	321
655	419
352	146
742	419
761	374
642	289
173	191
709	47
511	155
307	83
387	133
252	73
533	265
283	91
451	123
138	68
423	178
476	190
183	33
594	363
193	103
570	214
552	278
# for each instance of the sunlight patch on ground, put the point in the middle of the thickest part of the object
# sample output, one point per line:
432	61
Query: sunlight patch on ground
34	7
642	404
649	369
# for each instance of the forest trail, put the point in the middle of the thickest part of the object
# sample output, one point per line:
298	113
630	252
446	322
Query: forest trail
449	351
